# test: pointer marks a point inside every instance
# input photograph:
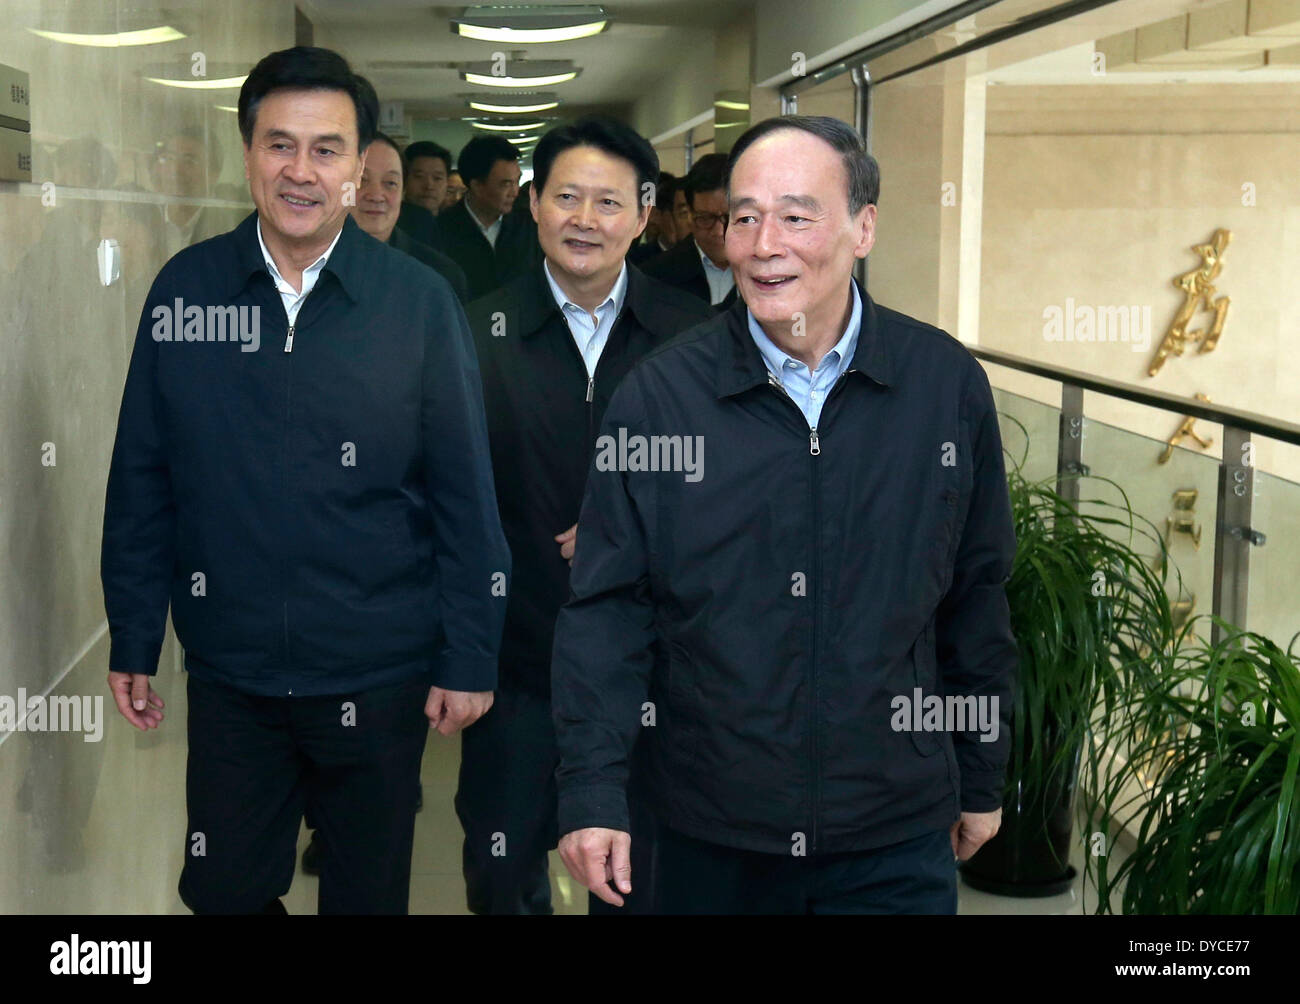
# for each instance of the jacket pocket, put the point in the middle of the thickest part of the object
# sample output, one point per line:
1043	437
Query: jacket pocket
925	680
678	721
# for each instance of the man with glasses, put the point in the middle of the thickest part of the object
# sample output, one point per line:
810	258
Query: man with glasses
699	266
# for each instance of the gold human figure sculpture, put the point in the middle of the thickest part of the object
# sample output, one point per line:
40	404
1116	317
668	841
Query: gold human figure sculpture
1185	430
1198	291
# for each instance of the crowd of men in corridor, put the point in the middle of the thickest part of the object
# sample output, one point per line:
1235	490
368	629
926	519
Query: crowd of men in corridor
393	518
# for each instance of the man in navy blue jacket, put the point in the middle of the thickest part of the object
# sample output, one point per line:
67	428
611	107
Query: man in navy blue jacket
302	470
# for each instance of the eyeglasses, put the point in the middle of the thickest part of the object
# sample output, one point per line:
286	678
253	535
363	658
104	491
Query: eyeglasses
709	220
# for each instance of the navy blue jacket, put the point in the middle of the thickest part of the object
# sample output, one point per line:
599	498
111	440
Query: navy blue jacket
321	520
757	613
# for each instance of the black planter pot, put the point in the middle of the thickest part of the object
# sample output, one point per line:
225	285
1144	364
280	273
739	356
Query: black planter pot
1030	855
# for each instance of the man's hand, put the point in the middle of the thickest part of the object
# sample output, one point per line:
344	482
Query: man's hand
971	832
567	540
138	702
597	856
449	711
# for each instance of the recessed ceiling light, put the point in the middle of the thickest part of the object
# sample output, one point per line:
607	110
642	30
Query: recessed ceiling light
482	105
519	72
511	127
530	24
199	84
523	140
113	39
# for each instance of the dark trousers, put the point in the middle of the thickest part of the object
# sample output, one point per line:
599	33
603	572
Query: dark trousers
698	877
644	856
256	762
506	801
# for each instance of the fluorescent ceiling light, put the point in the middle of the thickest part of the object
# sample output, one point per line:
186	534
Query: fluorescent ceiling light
523	140
487	80
735	106
227	108
200	84
530	24
512	127
113	39
484	106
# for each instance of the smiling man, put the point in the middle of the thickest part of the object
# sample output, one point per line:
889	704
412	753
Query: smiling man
319	514
379	202
553	344
847	544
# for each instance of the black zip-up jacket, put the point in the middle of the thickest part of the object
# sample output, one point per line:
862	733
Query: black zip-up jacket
773	602
543	415
322	519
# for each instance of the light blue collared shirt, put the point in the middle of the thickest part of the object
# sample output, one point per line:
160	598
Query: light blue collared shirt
720	279
590	335
809	390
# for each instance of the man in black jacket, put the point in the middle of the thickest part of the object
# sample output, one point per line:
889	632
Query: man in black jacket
301	469
426	167
553	344
795	539
489	242
661	231
698	262
376	211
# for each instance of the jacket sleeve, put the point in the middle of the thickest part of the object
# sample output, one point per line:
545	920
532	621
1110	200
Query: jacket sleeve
138	551
470	548
976	649
604	637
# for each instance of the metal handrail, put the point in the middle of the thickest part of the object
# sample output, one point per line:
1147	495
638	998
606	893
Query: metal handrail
1247	421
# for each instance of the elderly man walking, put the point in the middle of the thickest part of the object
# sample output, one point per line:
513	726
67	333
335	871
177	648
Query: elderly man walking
795	541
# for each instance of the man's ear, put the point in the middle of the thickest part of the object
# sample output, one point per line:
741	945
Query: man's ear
865	229
248	175
642	217
532	200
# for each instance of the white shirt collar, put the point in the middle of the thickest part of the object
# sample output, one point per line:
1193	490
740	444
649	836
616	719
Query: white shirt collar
616	294
314	268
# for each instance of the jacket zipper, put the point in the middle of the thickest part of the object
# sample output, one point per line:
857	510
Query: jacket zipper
284	476
814	450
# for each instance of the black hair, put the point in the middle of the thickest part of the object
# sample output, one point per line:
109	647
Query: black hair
859	166
306	67
707	174
605	134
425	148
665	190
383	137
480	154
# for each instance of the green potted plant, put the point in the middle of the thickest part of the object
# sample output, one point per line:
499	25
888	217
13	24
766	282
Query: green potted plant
1092	624
1210	785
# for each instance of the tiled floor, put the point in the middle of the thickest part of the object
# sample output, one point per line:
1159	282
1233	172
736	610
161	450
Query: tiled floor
438	888
98	827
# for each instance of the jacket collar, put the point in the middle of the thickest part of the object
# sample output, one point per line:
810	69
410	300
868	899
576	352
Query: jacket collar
537	305
344	263
741	366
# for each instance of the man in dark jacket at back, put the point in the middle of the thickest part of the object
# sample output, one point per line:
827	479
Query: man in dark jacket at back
379	199
301	469
698	262
795	541
553	344
490	243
